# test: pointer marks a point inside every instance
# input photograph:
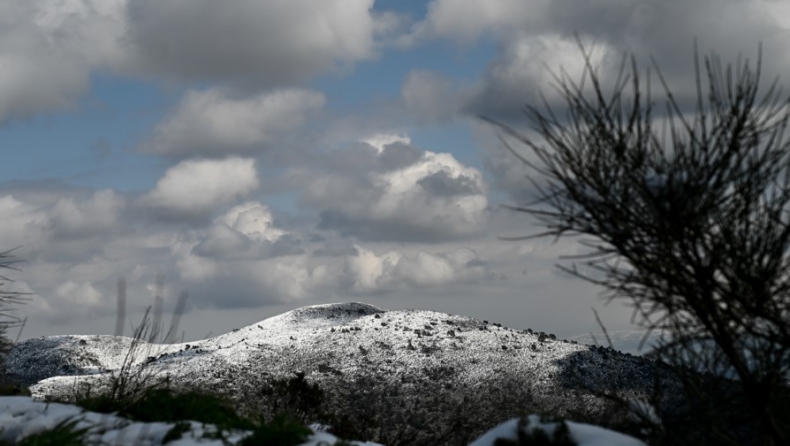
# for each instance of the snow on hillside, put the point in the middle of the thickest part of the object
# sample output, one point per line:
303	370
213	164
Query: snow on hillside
422	362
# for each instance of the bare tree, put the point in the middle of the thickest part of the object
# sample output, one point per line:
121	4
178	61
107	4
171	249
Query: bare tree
696	240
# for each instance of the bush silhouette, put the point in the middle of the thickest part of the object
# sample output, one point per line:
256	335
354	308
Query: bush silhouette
696	241
8	321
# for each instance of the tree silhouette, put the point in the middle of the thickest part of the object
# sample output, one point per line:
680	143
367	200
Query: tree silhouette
696	240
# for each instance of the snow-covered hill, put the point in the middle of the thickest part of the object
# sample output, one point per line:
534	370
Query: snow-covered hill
412	367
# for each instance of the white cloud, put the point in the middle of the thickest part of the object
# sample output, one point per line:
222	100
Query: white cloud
368	271
199	186
78	295
408	189
287	278
432	197
371	273
213	122
379	140
253	220
246	232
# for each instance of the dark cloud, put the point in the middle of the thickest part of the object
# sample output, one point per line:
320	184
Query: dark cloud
507	173
55	47
541	38
431	97
398	155
43	192
371	230
223	242
336	248
442	184
245	41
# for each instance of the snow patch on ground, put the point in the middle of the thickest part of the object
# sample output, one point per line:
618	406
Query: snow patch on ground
21	417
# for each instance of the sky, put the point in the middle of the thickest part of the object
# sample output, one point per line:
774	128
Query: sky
263	156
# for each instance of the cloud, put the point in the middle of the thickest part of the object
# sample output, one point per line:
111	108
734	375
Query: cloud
101	213
246	232
80	295
379	141
372	273
523	71
249	265
254	220
419	196
22	224
466	20
195	187
213	122
249	282
247	41
48	49
535	35
610	21
430	97
222	242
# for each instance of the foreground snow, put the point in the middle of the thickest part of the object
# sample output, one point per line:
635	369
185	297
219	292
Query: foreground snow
21	417
582	434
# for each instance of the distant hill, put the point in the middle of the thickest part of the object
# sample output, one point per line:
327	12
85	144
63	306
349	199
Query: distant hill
409	369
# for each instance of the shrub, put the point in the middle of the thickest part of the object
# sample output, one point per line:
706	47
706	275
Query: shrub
697	242
6	344
533	436
294	396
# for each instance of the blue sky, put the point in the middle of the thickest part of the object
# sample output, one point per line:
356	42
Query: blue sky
263	156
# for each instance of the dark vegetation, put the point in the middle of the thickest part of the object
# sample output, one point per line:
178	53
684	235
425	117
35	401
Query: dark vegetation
695	241
537	437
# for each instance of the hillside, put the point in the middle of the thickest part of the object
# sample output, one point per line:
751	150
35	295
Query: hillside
407	368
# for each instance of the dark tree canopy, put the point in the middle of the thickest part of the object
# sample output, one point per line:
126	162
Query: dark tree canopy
695	238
